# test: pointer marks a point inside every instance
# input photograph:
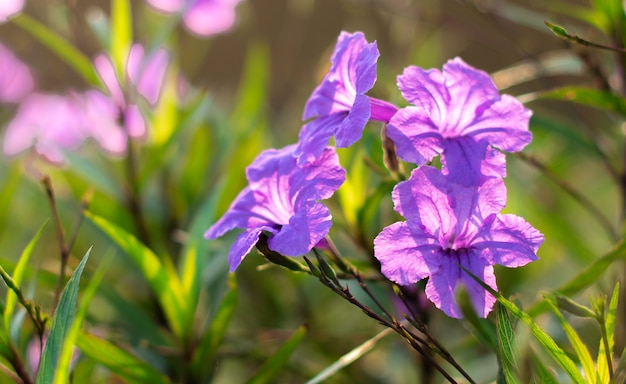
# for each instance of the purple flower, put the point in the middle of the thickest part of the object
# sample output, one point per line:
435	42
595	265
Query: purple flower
282	199
339	103
51	124
16	80
145	74
9	8
448	226
202	17
460	114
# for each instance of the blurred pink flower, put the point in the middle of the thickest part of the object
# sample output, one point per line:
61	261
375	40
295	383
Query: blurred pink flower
145	75
16	80
202	17
54	124
49	123
10	8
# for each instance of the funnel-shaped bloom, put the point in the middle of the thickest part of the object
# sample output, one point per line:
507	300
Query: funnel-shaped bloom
143	77
449	226
10	8
460	114
16	80
282	199
339	103
202	17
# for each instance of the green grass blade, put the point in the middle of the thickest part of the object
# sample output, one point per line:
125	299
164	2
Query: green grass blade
206	353
508	349
195	254
270	370
61	324
119	361
60	46
18	275
579	347
349	357
548	344
62	373
585	278
541	373
162	279
590	97
609	326
121	34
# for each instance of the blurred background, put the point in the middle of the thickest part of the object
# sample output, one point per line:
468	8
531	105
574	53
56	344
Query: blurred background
287	44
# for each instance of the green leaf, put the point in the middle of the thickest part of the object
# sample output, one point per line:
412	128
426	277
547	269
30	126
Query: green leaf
349	357
272	367
542	337
579	347
161	277
119	361
204	360
587	277
121	35
18	275
541	373
507	345
61	324
608	340
606	101
62	373
557	30
58	45
195	254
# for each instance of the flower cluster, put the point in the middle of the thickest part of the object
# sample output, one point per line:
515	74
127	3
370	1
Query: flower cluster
453	221
53	124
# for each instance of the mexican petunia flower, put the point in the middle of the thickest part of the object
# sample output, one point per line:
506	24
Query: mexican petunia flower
145	74
52	124
9	8
449	226
282	199
459	113
339	103
202	17
16	80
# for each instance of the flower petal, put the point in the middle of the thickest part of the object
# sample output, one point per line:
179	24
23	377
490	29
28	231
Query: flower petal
508	240
314	137
504	124
304	231
443	284
406	255
416	137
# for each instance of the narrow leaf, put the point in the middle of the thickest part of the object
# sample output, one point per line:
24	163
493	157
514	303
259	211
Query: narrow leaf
608	341
62	373
58	45
18	275
349	357
270	370
163	280
586	277
121	34
206	353
604	100
542	374
507	345
542	337
61	324
119	361
579	347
